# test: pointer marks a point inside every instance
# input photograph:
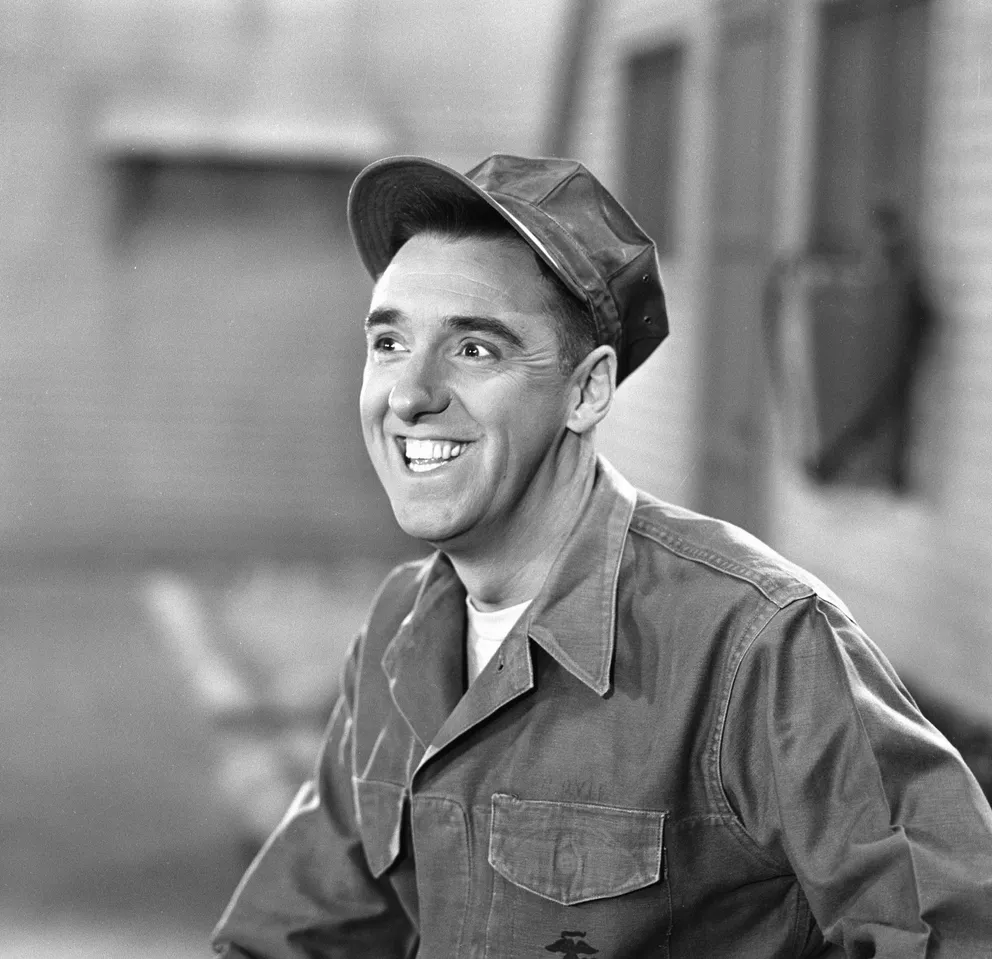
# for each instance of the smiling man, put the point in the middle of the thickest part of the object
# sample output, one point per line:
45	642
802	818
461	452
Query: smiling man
590	722
478	434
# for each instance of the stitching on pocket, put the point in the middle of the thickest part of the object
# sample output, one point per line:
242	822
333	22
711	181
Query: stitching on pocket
571	853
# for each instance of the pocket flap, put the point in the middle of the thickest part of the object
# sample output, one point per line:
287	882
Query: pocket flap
574	852
379	809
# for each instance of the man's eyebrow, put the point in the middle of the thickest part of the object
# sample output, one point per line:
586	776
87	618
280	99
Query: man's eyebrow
486	324
382	316
389	316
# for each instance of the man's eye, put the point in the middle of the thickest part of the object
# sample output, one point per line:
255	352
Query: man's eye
476	351
386	344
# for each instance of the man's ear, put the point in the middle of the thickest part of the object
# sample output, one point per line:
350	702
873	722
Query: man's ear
594	381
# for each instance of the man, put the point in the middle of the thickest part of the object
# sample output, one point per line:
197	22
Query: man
591	722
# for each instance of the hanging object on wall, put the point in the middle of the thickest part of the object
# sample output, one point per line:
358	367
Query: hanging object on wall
848	334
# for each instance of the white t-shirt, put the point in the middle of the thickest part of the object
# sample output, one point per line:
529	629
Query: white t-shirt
486	631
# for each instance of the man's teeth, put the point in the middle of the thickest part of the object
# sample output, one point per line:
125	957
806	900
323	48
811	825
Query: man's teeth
424	455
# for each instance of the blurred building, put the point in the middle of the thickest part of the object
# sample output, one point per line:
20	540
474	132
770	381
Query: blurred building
180	305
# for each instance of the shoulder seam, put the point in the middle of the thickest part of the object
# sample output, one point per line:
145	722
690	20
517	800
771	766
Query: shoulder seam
781	592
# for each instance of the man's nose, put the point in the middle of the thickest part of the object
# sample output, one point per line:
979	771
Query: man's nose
421	388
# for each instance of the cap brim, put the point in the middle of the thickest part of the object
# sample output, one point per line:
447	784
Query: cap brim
388	187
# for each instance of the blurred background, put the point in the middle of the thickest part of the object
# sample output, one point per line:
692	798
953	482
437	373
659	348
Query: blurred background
189	530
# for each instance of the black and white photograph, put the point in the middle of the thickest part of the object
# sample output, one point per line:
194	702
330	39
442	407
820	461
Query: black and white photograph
490	479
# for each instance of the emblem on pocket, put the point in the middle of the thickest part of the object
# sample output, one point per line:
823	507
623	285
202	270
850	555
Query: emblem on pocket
572	944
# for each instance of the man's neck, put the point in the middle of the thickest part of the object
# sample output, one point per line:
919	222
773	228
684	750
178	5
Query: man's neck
513	570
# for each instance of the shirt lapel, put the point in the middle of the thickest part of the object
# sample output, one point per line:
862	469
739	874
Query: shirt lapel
574	617
425	661
508	675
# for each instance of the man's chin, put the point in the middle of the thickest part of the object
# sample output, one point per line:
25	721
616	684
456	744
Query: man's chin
435	531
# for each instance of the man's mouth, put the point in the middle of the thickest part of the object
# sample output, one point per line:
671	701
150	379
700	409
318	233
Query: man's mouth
422	456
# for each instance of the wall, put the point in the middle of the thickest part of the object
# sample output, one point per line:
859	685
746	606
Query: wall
462	79
651	431
917	570
145	400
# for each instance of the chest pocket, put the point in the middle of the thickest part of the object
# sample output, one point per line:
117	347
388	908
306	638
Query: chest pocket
569	866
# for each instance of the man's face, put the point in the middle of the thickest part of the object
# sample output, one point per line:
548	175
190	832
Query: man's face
463	404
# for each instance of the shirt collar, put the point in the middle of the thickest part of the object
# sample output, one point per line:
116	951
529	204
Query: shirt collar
573	617
424	662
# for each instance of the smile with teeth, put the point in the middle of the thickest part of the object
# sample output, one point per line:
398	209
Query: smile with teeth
422	456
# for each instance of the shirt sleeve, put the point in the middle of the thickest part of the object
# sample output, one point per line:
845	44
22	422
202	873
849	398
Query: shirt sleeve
832	769
309	891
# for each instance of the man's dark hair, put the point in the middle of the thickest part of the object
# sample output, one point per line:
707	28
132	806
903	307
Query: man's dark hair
462	219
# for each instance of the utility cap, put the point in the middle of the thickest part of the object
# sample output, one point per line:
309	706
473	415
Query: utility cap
565	214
